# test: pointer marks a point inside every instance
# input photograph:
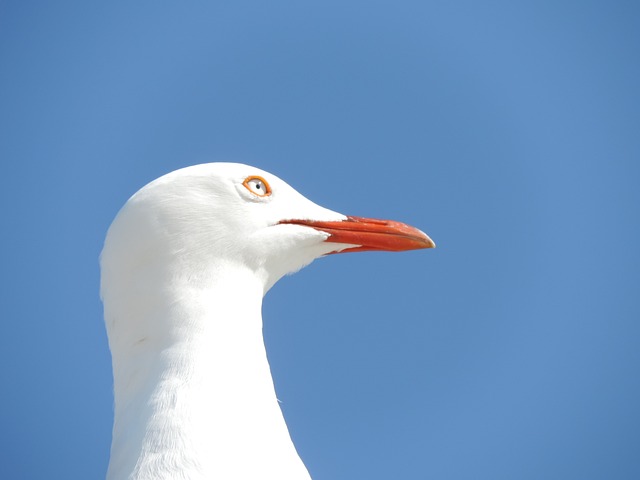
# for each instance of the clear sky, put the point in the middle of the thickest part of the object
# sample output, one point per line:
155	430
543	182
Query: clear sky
508	131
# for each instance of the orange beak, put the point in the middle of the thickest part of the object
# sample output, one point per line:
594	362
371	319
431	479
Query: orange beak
370	234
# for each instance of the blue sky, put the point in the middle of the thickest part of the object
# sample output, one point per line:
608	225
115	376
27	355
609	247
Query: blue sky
508	131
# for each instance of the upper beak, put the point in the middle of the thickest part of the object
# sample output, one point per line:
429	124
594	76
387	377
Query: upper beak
370	234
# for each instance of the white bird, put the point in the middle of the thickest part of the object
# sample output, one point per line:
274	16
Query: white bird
184	269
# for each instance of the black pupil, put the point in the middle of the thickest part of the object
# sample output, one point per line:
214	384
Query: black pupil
258	186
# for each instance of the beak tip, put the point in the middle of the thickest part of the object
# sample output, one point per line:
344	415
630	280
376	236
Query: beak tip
429	243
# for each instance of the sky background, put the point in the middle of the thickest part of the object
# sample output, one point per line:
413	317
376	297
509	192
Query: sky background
508	131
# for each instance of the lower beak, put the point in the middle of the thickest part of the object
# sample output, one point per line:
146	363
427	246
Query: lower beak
370	234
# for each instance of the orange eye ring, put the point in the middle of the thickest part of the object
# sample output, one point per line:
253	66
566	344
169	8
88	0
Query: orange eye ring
257	185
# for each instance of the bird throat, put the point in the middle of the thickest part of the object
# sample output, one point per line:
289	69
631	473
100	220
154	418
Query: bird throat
195	398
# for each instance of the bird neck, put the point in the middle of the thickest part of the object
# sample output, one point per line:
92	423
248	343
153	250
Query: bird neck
194	397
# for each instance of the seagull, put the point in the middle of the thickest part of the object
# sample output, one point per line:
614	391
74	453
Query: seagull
184	268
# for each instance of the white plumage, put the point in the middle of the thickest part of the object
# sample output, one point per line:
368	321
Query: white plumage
184	268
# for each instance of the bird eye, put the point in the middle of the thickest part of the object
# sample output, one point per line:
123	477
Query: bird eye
258	186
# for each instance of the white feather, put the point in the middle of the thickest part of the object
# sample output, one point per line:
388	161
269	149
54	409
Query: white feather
184	268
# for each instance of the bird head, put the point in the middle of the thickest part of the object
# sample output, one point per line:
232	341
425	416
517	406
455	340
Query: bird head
210	216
